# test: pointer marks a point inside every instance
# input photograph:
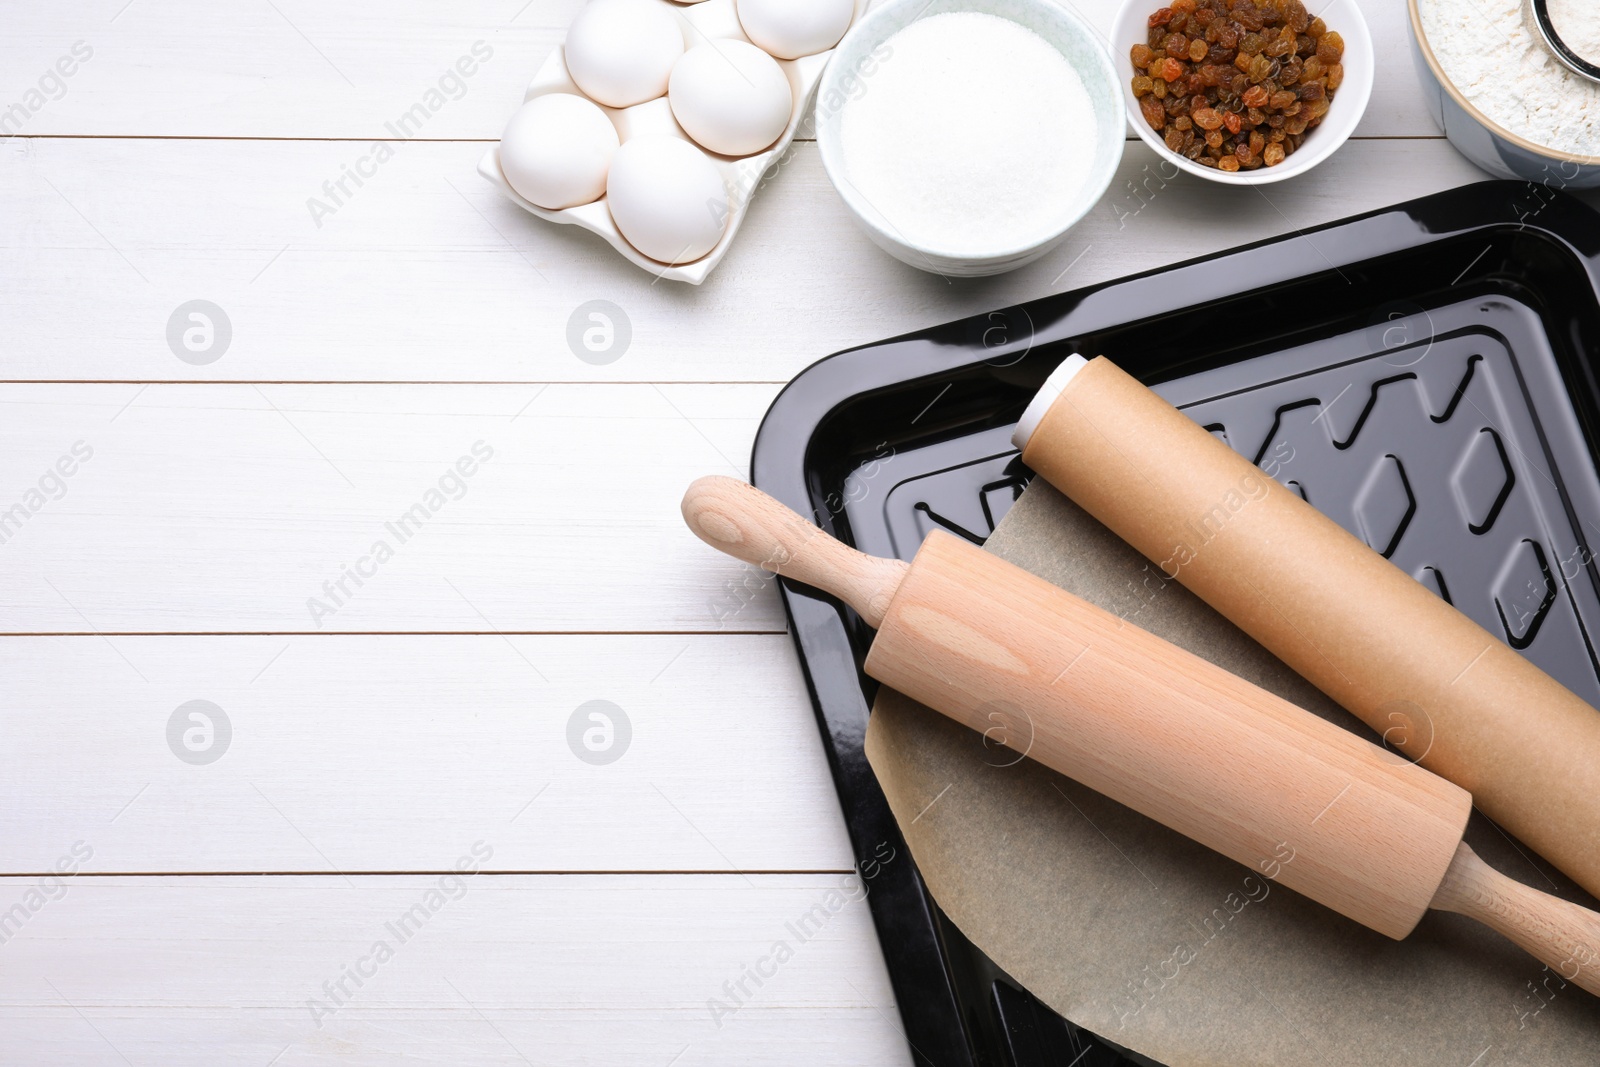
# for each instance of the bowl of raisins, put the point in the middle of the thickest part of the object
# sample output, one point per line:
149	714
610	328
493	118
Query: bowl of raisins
1243	92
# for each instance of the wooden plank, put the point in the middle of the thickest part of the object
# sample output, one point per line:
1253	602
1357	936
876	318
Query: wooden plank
361	753
491	970
427	274
295	68
238	508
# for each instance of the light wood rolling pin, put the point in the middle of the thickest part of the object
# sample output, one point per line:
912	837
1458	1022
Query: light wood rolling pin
1160	730
1352	623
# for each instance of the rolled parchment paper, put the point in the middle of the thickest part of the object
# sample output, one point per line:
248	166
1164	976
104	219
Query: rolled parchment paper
1434	683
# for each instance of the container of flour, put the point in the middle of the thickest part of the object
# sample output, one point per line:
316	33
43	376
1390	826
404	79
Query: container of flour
1499	94
967	136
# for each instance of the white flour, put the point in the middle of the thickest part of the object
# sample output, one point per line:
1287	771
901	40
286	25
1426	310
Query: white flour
973	136
1502	67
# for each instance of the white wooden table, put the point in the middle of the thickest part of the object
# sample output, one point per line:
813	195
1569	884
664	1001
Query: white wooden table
229	912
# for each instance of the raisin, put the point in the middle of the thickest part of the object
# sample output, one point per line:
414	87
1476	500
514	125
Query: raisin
1207	118
1141	85
1313	69
1335	76
1312	91
1255	96
1295	127
1154	113
1175	44
1330	47
1291	71
1228	36
1162	16
1273	155
1198	50
1257	142
1206	161
1171	69
1158	88
1141	55
1228	163
1214	139
1183	122
1233	122
1243	153
1184	7
1316	28
1251	43
1277	101
1174	140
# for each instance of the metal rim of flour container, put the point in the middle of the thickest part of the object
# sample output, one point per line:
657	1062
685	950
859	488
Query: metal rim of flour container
1538	12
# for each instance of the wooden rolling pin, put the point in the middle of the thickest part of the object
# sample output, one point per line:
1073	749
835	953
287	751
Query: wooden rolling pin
1437	685
1160	730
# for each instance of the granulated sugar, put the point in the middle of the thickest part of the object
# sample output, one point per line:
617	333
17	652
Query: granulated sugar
1504	70
974	135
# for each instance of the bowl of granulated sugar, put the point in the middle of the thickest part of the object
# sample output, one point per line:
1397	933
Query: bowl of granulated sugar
967	136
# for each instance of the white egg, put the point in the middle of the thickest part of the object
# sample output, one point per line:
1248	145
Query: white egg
790	29
557	149
667	198
731	97
621	52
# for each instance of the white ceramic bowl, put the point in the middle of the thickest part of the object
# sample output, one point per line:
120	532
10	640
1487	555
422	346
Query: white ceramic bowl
849	74
1349	102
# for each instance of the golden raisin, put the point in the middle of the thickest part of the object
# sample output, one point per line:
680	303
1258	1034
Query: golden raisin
1273	155
1154	113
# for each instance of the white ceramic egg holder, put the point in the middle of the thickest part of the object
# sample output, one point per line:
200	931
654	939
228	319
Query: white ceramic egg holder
700	21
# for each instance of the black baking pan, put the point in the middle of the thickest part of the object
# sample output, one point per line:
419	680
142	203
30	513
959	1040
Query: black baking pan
1431	366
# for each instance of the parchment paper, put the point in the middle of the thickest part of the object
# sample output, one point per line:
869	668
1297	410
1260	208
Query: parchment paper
1165	947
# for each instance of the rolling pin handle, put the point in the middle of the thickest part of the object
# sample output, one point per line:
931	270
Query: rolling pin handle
746	523
1558	933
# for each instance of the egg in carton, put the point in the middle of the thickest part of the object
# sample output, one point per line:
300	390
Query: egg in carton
657	142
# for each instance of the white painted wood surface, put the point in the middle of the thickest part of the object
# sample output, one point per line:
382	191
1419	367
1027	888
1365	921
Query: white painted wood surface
507	970
430	708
